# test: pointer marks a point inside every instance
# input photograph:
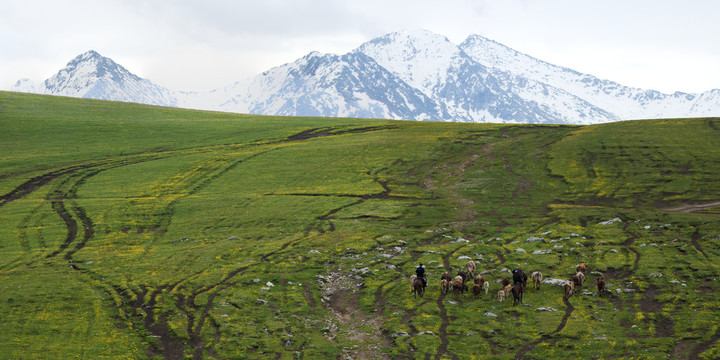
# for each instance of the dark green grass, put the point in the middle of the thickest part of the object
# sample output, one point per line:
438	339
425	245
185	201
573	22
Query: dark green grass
148	232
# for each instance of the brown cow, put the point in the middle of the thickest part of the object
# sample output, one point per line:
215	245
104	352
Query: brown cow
458	286
578	280
601	286
446	276
444	286
477	289
470	268
582	267
479	279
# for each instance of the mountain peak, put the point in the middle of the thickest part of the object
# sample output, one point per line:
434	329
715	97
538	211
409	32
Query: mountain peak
409	74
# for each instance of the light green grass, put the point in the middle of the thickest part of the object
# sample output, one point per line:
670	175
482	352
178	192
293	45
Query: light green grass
211	235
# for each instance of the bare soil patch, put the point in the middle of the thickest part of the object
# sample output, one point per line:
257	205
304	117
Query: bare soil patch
688	208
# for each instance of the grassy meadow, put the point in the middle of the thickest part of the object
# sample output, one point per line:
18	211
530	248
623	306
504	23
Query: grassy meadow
139	232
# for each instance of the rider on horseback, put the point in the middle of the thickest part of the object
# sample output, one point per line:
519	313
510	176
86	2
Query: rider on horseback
420	271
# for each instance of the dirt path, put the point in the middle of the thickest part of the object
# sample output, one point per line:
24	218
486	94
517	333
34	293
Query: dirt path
688	208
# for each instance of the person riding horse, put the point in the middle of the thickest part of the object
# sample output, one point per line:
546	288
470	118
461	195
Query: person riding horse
519	277
420	272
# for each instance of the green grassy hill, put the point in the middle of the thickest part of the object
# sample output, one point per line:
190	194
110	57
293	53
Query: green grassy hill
131	231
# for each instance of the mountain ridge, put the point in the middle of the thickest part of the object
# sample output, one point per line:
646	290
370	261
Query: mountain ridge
411	75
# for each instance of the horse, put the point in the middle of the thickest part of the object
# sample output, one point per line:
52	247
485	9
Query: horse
418	288
519	277
517	291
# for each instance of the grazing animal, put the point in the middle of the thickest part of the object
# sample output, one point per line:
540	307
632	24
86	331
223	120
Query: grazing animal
569	288
463	275
486	286
505	282
479	279
506	289
501	295
418	287
444	286
446	276
517	291
601	286
536	277
477	289
412	281
458	286
582	267
578	280
470	268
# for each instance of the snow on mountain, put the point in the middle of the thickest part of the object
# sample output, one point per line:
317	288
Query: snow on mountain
352	85
93	76
475	92
625	102
414	75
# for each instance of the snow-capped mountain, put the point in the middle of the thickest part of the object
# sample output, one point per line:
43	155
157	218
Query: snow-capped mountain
93	76
352	85
414	75
475	91
624	102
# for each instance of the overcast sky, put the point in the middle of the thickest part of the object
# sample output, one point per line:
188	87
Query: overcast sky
201	45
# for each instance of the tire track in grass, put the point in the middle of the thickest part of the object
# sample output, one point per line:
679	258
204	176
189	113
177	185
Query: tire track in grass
74	216
444	341
568	312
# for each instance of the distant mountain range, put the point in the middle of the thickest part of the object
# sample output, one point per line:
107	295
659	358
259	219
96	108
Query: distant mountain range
413	75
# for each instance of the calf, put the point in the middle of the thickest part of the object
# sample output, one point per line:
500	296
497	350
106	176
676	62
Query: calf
569	288
506	289
536	277
477	289
601	286
479	279
501	295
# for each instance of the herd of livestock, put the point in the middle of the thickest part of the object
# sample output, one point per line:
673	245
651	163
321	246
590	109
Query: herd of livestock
457	284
